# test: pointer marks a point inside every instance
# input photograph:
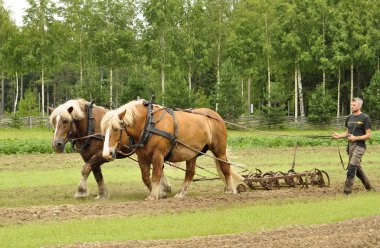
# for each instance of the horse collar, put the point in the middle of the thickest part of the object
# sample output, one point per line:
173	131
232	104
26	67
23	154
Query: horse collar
149	129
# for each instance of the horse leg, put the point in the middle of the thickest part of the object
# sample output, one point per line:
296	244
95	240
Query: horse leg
145	173
82	186
157	191
231	179
190	171
165	183
103	192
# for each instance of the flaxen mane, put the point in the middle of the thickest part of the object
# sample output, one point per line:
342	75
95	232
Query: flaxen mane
77	113
111	118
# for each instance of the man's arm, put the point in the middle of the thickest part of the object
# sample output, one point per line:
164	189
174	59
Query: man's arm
336	135
366	136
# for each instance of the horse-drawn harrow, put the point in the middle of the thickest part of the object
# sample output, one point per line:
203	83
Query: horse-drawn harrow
272	180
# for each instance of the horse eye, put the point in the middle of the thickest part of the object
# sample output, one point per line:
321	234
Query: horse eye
65	121
115	129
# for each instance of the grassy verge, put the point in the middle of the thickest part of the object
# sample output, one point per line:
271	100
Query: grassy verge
234	219
22	141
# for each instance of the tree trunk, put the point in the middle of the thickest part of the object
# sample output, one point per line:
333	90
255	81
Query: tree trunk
352	81
163	84
338	100
249	95
54	93
47	100
324	81
21	87
163	63
295	94
43	92
242	89
268	61
81	57
219	41
2	94
111	85
324	44
300	94
189	78
16	97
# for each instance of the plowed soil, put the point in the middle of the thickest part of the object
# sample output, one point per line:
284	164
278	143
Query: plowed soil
361	232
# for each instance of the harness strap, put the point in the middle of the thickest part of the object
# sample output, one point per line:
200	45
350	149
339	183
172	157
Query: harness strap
90	129
149	129
90	124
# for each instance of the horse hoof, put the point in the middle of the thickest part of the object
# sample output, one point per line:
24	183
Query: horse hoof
179	195
102	197
168	189
150	198
229	190
81	195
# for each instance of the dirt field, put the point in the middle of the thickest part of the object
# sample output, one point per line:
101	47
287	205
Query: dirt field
361	232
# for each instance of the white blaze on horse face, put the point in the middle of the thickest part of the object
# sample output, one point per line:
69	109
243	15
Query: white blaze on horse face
56	125
106	149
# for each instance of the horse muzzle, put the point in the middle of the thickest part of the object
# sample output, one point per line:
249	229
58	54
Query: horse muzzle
59	145
111	155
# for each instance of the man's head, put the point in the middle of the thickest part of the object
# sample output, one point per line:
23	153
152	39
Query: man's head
356	104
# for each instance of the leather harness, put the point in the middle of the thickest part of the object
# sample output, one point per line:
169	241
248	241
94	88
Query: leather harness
90	129
149	129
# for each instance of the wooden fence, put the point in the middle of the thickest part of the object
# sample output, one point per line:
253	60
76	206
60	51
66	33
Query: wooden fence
245	121
24	122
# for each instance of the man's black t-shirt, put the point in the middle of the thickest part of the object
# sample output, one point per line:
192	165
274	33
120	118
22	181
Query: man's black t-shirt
357	125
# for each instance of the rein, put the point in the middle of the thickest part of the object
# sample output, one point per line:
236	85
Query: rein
149	129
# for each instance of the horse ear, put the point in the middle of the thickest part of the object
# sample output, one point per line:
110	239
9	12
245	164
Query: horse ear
122	114
51	110
70	109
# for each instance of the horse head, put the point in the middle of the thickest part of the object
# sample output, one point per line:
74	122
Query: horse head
63	118
112	126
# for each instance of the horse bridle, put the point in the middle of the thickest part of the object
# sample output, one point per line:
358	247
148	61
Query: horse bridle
131	142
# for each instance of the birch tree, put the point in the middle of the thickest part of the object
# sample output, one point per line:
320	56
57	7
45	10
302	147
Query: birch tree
38	19
7	29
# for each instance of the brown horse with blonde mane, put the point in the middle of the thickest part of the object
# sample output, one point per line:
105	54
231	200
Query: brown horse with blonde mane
160	134
78	121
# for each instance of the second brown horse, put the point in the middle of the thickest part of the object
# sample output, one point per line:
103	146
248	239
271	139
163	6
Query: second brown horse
164	135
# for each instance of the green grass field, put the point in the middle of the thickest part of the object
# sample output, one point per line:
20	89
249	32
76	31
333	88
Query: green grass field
33	180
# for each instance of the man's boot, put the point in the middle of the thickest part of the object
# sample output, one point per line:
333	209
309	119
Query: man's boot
363	177
351	172
348	186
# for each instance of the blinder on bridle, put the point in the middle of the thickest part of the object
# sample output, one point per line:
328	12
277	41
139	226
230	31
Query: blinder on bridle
131	145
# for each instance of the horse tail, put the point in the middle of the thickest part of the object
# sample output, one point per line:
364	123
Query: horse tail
236	179
219	170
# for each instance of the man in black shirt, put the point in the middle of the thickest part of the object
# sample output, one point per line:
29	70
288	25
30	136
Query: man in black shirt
358	131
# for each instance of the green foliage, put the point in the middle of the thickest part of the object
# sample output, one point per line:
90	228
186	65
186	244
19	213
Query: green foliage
273	112
16	122
77	43
95	90
230	100
177	93
28	105
321	107
371	96
17	146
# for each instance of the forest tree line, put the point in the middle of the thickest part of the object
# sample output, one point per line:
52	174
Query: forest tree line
301	58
